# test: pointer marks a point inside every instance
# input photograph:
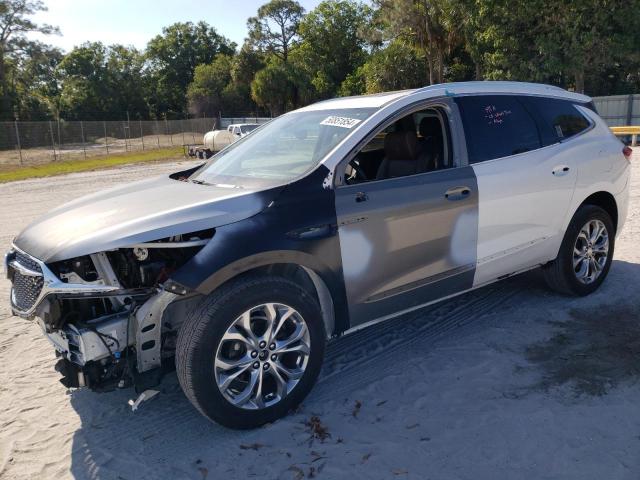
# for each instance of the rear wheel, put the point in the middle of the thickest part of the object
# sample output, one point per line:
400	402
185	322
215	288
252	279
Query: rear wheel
251	351
585	254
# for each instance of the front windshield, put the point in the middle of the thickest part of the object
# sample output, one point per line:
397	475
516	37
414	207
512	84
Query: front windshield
282	149
248	128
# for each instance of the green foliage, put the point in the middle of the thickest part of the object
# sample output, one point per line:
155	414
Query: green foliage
35	90
341	47
172	59
433	27
275	28
16	52
100	82
398	66
568	42
332	46
275	87
206	92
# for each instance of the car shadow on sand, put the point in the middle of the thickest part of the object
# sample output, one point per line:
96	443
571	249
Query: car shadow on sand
596	348
168	438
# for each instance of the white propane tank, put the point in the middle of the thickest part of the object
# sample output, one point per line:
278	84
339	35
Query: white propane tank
216	140
208	140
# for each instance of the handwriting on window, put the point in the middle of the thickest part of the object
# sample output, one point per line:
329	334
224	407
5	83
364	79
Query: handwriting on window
493	116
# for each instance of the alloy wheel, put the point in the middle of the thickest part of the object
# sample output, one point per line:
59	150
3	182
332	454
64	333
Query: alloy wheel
591	251
262	356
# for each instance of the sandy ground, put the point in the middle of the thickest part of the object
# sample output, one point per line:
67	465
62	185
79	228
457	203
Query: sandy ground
510	381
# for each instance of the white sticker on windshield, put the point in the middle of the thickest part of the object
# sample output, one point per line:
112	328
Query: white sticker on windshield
343	122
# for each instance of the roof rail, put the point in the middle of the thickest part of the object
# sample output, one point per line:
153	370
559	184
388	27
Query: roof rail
496	83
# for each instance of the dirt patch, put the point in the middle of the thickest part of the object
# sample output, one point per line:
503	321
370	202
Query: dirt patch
594	351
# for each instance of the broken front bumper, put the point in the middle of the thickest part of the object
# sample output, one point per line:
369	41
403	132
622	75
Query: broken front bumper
32	281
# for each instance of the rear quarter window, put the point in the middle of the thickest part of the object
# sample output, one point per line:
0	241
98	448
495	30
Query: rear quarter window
497	126
560	118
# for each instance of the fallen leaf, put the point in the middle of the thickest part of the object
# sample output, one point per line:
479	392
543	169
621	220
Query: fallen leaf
299	473
317	429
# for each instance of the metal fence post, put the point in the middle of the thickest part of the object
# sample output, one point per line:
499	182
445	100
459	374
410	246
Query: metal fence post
630	109
141	134
124	130
158	133
60	141
18	140
53	145
84	148
182	124
166	127
106	143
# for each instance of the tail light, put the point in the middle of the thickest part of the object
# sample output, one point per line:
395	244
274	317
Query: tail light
627	152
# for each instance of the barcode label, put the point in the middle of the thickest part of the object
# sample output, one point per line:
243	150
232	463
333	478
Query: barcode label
343	122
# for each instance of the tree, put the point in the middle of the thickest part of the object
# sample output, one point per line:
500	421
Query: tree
173	57
567	43
102	82
583	38
36	90
331	46
14	25
274	88
275	28
243	70
432	26
398	66
207	91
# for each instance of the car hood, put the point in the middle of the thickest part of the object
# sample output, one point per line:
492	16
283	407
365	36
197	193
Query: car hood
138	212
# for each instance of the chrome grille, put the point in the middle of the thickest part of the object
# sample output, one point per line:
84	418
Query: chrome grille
27	261
26	288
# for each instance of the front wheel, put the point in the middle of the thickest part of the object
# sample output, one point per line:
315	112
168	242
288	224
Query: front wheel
585	255
251	351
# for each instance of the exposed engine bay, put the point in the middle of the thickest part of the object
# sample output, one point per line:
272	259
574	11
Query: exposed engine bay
112	316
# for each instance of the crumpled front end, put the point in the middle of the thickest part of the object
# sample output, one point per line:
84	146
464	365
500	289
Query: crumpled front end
111	316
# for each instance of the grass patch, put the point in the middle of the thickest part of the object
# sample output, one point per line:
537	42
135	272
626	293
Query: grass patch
13	173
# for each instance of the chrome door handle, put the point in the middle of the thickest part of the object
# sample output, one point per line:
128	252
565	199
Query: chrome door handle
457	193
560	170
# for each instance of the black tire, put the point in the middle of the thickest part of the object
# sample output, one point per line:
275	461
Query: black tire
204	328
559	274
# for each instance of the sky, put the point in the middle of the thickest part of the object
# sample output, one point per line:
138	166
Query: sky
135	22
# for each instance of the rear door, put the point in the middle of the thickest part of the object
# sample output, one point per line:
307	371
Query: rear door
525	179
409	240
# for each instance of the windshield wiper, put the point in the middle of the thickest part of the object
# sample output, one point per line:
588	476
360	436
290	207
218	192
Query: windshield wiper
221	185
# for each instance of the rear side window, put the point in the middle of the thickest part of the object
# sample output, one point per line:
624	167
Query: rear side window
560	118
497	126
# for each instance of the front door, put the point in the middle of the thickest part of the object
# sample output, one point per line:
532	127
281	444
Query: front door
410	239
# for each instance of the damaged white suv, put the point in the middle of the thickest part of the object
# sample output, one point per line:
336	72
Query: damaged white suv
327	218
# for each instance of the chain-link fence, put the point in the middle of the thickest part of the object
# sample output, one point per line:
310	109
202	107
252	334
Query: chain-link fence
29	143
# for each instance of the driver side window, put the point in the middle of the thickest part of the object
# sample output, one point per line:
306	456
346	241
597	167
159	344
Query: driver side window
414	144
